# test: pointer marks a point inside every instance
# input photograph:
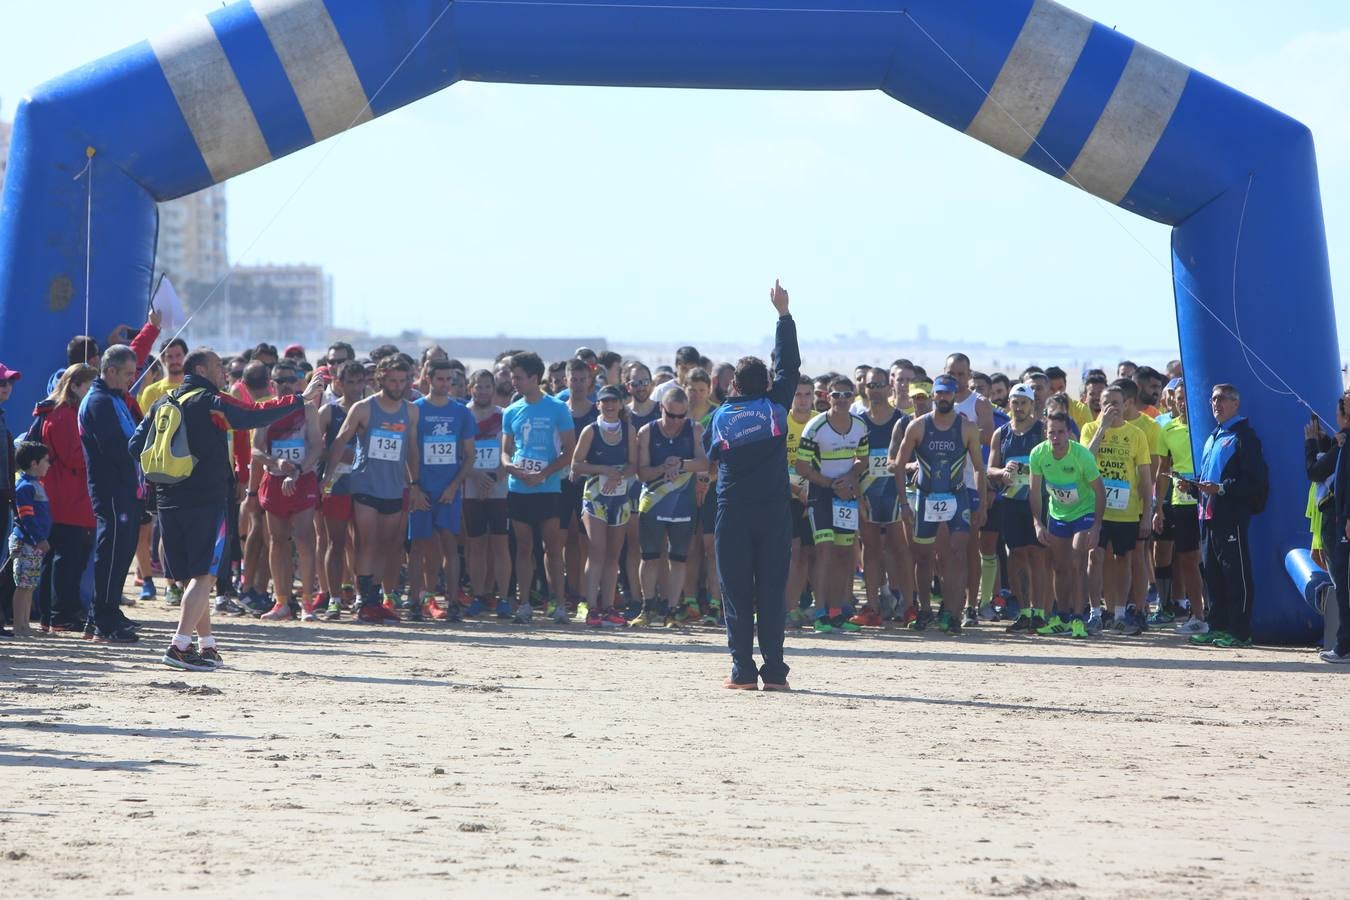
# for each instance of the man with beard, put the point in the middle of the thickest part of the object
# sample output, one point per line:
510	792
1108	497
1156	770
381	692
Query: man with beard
945	442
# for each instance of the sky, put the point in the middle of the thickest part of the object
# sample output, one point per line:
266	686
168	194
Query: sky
647	214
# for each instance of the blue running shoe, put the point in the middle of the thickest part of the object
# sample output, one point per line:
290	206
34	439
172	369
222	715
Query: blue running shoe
148	589
504	610
475	608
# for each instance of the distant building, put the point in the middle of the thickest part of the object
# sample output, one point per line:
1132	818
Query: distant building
277	304
193	244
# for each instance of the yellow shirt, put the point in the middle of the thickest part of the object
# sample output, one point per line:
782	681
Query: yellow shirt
152	392
1153	431
1079	412
1122	451
794	440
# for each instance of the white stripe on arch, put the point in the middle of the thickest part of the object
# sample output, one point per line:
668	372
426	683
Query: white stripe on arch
317	63
212	102
1131	125
1032	78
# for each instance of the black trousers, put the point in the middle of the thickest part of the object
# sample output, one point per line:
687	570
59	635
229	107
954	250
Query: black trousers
754	547
1337	548
118	532
1226	563
62	571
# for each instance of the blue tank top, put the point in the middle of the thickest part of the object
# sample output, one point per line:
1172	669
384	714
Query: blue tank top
638	421
602	453
1017	448
669	501
942	457
380	468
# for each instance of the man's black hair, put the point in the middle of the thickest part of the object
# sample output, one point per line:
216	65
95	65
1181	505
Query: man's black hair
529	363
752	377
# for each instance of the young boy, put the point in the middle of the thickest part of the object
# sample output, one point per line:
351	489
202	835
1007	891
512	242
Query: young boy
28	540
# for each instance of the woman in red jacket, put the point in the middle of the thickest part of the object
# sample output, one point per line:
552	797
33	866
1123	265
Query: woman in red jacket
72	537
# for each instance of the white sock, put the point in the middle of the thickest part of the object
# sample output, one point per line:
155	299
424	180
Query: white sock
1120	612
182	641
207	642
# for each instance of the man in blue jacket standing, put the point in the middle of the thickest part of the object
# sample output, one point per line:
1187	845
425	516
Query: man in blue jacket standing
748	442
1232	485
107	422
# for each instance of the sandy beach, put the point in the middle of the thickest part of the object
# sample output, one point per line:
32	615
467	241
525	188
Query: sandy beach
426	760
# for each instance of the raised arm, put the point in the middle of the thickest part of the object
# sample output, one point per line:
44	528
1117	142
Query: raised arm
787	356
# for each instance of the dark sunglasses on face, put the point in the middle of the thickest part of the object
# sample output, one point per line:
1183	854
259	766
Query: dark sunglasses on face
676	415
877	385
841	395
285	380
642	383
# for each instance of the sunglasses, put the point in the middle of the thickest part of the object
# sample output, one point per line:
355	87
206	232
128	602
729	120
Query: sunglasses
841	395
643	383
676	415
876	385
285	380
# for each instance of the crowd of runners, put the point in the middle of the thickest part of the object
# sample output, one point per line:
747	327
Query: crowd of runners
391	486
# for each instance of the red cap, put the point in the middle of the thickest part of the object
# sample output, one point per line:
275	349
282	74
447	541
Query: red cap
292	348
8	374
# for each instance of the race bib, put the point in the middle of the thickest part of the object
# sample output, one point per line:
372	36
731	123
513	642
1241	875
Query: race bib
386	445
1064	494
876	465
939	508
845	515
618	490
1020	479
291	450
1117	493
440	451
486	454
528	465
798	482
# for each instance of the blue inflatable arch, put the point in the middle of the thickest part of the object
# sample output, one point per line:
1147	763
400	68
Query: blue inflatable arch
257	80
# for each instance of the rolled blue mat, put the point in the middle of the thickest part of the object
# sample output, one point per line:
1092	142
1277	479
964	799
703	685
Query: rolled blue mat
1309	578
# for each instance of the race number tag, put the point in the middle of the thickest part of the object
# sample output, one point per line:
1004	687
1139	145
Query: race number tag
1117	493
528	465
486	454
619	489
1020	479
386	445
845	515
440	451
1064	494
939	508
291	450
798	482
877	461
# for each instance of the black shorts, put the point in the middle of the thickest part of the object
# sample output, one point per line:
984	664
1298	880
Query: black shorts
531	509
150	505
801	525
195	540
379	504
1018	526
1121	537
1181	526
484	517
672	537
569	501
993	520
707	513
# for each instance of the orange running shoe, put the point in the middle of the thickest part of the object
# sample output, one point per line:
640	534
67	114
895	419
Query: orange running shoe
431	609
868	618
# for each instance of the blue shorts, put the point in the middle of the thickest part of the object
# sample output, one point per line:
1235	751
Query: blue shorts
423	524
953	510
1074	526
613	511
883	501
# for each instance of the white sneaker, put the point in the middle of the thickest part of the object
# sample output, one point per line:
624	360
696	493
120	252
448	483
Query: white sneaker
560	615
524	613
1193	626
1332	656
988	613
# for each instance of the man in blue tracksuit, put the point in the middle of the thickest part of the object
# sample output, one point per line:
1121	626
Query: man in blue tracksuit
107	421
1232	483
747	440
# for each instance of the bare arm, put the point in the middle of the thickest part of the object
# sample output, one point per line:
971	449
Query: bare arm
354	424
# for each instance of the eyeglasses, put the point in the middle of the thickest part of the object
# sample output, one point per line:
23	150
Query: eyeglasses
285	380
841	395
675	415
643	383
876	385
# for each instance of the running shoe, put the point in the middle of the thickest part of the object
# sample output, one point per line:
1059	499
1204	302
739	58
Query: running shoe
392	601
560	615
1193	626
89	630
593	619
334	611
66	627
643	619
227	607
848	625
1208	637
1055	626
388	615
1133	624
117	636
922	619
1021	625
188	660
972	616
1231	642
1036	624
909	616
173	595
212	657
988	612
475	608
524	613
280	612
1077	628
955	629
1161	617
1094	623
823	626
945	621
453	612
148	590
614	619
412	611
433	610
504	610
370	614
347	596
256	603
868	618
1332	656
309	610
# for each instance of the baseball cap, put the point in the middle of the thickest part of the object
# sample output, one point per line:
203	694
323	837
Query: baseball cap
944	383
8	374
292	348
609	392
1023	390
1174	384
921	389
